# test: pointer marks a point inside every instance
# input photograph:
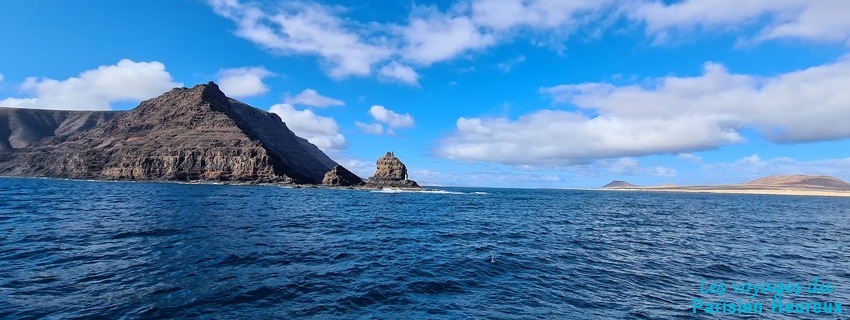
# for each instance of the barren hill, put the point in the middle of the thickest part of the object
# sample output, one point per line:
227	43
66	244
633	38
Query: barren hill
617	184
195	134
800	180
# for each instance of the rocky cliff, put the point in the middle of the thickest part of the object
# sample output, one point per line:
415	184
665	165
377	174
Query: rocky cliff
20	128
390	173
339	176
195	134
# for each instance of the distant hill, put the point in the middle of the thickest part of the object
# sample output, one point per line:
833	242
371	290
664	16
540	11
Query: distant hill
800	180
617	184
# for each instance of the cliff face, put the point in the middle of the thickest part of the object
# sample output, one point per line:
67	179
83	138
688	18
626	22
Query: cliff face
391	173
20	128
184	134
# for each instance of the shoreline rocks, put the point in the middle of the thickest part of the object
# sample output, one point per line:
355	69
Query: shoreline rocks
339	176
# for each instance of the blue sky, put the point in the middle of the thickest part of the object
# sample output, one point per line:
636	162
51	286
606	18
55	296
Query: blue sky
508	93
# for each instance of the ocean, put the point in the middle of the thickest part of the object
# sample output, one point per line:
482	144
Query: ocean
85	249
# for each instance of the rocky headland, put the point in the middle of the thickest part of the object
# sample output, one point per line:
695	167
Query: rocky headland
186	134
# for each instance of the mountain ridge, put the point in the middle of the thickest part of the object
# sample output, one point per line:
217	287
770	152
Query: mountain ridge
185	134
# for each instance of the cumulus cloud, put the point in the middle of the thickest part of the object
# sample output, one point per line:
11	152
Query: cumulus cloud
319	130
429	35
432	36
353	48
96	89
397	72
370	128
385	118
504	15
670	115
300	28
312	98
243	82
816	20
391	118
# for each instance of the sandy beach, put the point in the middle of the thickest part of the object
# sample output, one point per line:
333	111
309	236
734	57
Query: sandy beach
745	190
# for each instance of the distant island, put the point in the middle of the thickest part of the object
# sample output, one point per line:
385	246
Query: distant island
798	184
187	134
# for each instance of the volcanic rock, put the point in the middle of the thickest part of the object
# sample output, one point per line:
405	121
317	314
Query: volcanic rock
391	173
617	184
20	128
339	176
195	134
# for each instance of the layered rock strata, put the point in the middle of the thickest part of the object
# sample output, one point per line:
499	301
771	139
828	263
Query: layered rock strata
195	134
390	173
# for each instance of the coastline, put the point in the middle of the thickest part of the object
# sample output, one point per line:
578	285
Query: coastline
226	183
741	190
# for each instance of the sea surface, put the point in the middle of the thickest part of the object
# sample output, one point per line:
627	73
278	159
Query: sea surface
113	250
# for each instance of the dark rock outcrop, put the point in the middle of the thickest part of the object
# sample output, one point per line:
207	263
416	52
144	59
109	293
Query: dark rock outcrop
195	134
339	176
391	173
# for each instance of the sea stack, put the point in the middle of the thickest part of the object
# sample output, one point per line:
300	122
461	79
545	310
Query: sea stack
391	173
339	176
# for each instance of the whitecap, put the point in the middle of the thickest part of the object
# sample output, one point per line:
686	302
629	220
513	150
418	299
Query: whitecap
428	191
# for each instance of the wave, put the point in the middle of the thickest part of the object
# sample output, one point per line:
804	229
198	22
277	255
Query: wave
428	191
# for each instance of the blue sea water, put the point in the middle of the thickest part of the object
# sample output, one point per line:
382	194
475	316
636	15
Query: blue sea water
80	249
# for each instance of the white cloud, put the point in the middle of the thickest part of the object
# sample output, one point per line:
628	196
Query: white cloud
305	29
1	77
503	15
817	20
690	157
398	72
432	36
96	89
507	65
319	130
243	82
312	98
353	48
385	118
348	47
632	167
391	118
672	115
370	128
